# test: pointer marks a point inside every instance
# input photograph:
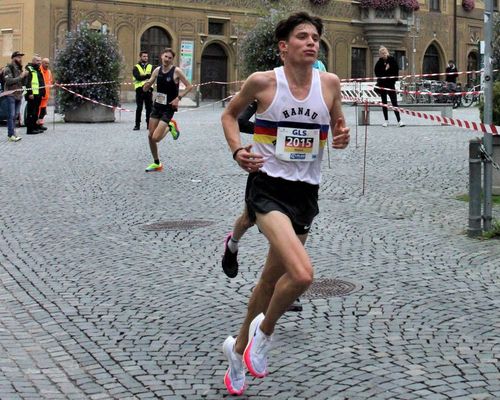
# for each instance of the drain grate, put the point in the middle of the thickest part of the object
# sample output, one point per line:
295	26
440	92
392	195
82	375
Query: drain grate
324	288
177	225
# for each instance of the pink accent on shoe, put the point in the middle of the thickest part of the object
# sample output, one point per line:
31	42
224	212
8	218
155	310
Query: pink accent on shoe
229	385
227	239
248	362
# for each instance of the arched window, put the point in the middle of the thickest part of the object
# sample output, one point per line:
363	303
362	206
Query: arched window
323	53
431	60
472	65
154	40
213	68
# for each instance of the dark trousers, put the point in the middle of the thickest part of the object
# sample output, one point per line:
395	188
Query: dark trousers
394	101
143	97
42	113
32	107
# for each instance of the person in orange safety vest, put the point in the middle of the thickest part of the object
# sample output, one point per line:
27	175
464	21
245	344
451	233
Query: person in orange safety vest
47	77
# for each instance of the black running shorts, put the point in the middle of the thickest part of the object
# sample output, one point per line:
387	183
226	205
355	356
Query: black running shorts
162	112
297	200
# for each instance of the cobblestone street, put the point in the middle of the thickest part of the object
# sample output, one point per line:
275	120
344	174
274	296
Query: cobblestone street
94	305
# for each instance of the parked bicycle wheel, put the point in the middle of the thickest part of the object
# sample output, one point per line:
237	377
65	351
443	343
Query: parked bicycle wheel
467	100
425	97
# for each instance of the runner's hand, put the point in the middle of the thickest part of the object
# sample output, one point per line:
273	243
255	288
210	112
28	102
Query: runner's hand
340	134
250	162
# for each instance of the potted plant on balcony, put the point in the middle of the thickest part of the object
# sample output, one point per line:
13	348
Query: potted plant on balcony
88	56
389	5
468	5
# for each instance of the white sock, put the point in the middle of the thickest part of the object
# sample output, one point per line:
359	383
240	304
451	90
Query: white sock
233	245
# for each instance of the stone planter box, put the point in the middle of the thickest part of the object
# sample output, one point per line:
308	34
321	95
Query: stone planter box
90	113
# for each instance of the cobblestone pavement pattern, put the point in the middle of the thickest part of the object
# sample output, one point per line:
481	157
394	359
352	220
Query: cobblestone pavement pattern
95	307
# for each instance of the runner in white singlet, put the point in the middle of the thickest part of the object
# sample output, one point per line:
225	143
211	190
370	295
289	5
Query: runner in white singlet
295	108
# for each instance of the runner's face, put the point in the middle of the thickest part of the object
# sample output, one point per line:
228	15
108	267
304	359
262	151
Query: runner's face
167	58
302	45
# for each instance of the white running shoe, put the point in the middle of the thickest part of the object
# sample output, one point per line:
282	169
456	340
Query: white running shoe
234	379
401	124
259	344
385	124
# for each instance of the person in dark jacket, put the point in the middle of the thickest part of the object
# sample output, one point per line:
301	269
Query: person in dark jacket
14	77
35	90
451	74
387	66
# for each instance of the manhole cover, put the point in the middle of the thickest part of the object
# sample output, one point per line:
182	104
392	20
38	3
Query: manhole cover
180	225
323	288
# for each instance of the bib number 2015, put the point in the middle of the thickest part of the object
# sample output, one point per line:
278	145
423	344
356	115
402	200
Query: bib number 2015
299	144
293	144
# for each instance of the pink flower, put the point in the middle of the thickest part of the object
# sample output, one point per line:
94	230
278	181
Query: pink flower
409	5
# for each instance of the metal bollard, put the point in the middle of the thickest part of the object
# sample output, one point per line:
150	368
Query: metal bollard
475	164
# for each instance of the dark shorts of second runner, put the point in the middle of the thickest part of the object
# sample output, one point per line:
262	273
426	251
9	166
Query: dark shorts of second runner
297	200
163	112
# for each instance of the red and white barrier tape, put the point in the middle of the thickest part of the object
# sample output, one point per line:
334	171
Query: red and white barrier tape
93	101
374	78
417	92
475	126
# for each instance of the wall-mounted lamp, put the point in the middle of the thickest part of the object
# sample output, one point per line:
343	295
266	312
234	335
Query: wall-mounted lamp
203	37
233	40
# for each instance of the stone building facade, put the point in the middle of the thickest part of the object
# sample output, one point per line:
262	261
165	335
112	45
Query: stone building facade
207	34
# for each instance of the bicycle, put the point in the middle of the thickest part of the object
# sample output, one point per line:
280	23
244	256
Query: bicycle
471	98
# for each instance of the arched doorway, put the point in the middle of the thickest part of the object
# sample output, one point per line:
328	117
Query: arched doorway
323	53
154	40
213	68
431	60
472	65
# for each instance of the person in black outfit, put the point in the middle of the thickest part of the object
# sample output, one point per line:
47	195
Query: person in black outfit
167	77
451	75
387	66
141	73
35	90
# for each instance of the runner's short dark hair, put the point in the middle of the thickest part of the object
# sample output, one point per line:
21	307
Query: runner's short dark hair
286	26
168	50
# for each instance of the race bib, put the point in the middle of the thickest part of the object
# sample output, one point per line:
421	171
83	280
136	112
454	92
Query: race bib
161	98
297	144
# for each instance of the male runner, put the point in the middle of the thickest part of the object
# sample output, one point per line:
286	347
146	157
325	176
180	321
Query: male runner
167	77
295	107
243	223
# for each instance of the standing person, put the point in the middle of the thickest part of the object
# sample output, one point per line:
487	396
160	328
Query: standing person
14	77
167	77
47	78
35	90
296	105
451	74
387	66
141	73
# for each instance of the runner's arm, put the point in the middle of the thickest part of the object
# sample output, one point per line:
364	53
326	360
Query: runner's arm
185	82
249	92
339	131
150	82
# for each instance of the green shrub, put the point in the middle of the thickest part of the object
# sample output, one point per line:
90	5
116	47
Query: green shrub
88	56
495	105
259	51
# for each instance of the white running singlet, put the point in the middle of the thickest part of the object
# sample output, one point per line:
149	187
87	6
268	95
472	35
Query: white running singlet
291	134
